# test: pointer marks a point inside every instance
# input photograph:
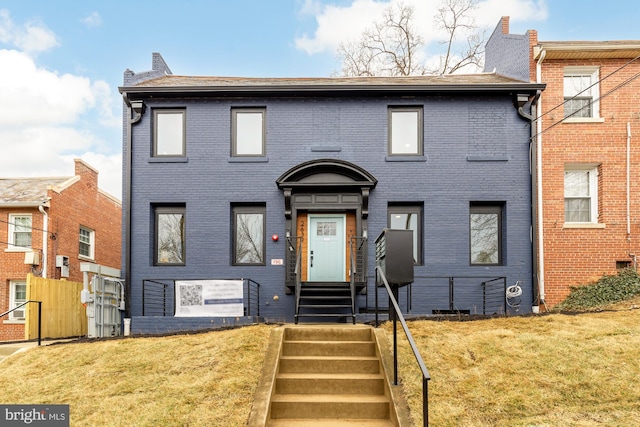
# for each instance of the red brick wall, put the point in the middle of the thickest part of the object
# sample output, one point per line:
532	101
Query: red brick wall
81	203
575	256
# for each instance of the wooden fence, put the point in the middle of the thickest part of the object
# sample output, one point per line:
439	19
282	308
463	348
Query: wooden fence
63	315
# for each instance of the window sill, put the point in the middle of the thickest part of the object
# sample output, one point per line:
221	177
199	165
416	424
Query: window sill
583	225
405	159
86	258
168	160
326	148
584	120
13	322
249	159
487	158
23	250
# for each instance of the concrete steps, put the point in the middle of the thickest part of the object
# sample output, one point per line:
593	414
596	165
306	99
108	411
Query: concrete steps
330	375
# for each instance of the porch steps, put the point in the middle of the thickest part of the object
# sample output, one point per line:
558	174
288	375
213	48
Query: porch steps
329	376
325	300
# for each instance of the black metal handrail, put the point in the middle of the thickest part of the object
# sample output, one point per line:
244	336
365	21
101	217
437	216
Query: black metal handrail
257	288
39	316
297	271
396	315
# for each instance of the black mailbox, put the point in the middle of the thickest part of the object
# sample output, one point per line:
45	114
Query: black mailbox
394	255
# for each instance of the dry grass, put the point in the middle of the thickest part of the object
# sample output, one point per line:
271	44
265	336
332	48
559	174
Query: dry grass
186	380
551	370
547	370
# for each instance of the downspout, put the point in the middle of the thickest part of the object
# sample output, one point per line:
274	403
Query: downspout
45	240
540	226
137	107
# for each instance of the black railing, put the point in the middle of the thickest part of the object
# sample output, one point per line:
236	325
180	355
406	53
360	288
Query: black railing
293	264
39	316
158	297
396	314
494	296
297	268
359	259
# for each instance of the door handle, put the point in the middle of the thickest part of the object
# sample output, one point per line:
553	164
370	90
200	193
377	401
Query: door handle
311	260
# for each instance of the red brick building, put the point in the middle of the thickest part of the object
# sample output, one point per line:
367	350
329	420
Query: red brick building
48	226
587	149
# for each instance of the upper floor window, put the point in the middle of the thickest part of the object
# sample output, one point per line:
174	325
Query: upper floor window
248	132
17	296
86	248
20	232
485	233
405	131
248	234
170	239
581	194
169	132
408	217
581	92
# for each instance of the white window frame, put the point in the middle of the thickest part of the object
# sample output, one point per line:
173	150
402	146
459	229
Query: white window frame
12	230
592	170
594	75
90	243
14	316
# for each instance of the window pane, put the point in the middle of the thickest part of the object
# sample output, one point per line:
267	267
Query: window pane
404	132
20	293
249	248
171	241
85	242
484	238
576	183
577	210
578	95
406	221
169	134
21	231
249	133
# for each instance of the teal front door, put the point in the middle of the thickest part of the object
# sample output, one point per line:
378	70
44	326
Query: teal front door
326	255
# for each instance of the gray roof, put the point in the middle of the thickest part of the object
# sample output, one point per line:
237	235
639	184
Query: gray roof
28	191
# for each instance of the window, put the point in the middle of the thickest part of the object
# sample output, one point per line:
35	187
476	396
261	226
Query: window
18	295
248	132
248	235
581	194
19	232
485	233
170	235
408	217
405	131
86	242
169	133
581	93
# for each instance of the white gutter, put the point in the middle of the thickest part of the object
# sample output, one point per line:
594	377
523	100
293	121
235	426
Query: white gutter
45	240
543	53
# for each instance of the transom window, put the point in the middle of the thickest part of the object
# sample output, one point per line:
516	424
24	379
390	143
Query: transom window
248	131
20	232
408	217
170	235
581	194
248	235
581	92
169	132
405	131
485	233
17	296
86	248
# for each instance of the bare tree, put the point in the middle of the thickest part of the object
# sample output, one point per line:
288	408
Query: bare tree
454	17
389	48
392	46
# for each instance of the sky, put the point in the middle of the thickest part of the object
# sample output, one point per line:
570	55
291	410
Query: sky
62	61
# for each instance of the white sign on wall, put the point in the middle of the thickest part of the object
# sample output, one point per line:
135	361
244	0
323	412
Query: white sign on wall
209	298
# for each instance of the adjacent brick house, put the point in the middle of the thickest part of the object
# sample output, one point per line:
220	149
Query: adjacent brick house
588	169
250	177
49	226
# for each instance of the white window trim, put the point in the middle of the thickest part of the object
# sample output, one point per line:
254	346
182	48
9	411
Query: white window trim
593	195
594	72
92	241
12	302
11	241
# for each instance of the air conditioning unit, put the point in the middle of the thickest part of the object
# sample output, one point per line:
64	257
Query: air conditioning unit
32	258
18	314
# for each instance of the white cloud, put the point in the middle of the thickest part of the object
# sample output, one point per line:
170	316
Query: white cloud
336	24
92	20
31	37
47	119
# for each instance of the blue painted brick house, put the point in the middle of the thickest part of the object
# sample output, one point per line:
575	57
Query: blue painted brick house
240	193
